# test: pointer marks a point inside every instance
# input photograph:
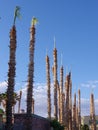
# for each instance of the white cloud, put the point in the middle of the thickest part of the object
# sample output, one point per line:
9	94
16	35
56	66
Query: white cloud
93	82
3	86
40	97
85	85
90	84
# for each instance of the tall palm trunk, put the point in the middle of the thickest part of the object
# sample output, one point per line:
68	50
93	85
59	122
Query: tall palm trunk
74	113
92	113
79	109
67	102
55	84
61	97
31	70
58	93
11	80
30	77
63	105
48	87
70	103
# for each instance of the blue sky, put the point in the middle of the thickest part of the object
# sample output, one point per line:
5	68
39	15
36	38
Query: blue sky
74	23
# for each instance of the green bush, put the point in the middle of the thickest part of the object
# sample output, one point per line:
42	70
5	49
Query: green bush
1	111
84	127
56	125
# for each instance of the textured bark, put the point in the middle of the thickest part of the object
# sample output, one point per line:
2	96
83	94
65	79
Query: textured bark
11	79
79	109
92	113
67	84
77	119
48	87
55	84
74	113
30	76
58	88
31	70
63	105
61	97
70	104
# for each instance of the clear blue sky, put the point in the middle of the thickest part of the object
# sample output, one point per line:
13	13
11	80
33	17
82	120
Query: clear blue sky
74	23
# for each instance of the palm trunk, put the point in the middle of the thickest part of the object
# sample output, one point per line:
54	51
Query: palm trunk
67	85
30	77
11	80
79	109
58	92
77	119
61	96
74	113
92	113
63	105
48	87
70	104
31	71
55	84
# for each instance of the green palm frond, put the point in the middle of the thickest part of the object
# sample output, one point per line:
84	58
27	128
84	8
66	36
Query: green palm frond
17	13
34	21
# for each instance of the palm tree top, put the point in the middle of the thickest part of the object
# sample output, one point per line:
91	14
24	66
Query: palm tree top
16	13
34	21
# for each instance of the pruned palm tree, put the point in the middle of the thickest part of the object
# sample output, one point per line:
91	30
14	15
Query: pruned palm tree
11	73
55	83
31	67
31	72
48	87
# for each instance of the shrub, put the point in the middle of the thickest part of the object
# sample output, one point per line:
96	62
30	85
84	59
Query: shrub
56	125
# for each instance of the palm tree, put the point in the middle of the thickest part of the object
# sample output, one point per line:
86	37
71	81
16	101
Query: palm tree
31	67
55	83
31	73
48	87
11	73
3	99
92	112
61	97
67	85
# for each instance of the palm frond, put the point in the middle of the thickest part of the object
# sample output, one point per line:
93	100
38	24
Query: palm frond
34	21
17	13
